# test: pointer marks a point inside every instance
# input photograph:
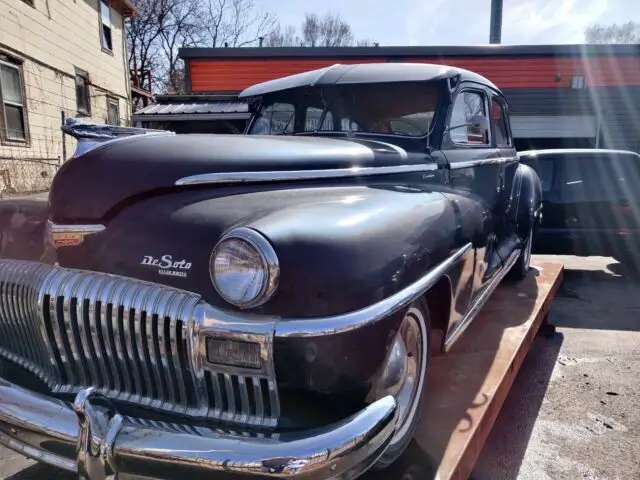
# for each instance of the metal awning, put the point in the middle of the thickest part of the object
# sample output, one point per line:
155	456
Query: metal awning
193	110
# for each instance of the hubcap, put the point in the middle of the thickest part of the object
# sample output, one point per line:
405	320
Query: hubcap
404	371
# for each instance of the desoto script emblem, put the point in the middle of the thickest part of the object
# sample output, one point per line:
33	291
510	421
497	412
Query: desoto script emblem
167	266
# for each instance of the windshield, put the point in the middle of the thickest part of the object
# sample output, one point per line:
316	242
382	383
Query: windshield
405	109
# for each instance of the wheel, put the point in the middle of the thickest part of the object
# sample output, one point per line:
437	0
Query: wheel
404	377
521	267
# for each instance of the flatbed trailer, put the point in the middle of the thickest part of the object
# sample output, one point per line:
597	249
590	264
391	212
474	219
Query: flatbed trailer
468	385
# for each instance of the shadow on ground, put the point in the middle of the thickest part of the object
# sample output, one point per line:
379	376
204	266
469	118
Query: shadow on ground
505	448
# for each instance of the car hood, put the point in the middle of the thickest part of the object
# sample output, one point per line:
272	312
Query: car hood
90	186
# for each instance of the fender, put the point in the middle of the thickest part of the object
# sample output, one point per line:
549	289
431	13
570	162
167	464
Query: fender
524	209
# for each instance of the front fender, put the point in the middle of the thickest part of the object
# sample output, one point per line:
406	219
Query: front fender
354	246
525	203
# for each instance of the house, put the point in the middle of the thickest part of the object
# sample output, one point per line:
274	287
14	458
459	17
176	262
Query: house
57	59
559	95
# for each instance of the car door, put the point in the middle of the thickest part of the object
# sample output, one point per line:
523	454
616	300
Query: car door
474	175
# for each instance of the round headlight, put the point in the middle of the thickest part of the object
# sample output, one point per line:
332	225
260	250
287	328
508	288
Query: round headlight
244	268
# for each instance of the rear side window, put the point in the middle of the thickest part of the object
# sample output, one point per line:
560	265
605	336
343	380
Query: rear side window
499	122
602	178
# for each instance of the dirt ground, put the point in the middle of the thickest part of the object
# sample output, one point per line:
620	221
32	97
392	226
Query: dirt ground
573	410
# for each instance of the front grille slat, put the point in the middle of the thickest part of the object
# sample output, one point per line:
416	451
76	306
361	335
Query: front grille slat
162	342
257	395
128	335
107	337
174	357
94	333
231	398
60	333
137	342
67	300
140	325
89	360
115	322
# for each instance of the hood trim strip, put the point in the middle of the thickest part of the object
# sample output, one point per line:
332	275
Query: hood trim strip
278	176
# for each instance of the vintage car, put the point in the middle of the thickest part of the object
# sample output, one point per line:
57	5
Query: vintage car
263	304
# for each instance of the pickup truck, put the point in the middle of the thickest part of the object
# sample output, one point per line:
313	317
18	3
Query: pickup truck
264	304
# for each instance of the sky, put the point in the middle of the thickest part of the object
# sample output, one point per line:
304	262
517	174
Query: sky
461	22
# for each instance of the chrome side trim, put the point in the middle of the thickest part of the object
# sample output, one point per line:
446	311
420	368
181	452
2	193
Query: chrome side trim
85	229
291	175
313	327
480	301
98	443
482	162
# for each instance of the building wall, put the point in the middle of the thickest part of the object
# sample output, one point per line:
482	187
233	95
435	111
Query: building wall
224	74
538	87
52	40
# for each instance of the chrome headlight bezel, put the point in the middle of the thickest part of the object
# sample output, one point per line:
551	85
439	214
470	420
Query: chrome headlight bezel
268	259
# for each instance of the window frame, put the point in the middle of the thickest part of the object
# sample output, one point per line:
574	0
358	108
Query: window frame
502	103
4	136
101	25
113	101
480	90
85	77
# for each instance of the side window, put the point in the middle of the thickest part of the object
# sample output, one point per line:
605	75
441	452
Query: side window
276	119
545	169
605	178
466	105
312	117
499	123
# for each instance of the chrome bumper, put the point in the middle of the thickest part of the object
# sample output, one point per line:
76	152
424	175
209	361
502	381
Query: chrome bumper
91	438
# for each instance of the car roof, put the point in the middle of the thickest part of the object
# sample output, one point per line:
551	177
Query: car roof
339	74
595	152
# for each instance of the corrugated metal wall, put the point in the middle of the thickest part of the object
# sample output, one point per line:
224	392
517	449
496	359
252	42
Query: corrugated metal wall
211	75
617	107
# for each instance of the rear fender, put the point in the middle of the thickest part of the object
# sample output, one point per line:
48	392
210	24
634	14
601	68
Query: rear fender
525	202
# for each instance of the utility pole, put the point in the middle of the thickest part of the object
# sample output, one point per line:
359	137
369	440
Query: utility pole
495	32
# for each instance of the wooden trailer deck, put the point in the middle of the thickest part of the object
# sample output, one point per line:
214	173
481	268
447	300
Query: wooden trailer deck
468	385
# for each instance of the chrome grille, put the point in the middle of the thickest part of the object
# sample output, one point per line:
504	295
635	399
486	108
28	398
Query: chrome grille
130	339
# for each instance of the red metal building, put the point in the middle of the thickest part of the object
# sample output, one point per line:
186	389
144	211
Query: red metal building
560	95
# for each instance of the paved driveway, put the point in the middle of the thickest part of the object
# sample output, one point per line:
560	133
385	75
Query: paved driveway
573	410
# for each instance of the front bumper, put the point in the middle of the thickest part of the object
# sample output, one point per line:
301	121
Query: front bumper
91	438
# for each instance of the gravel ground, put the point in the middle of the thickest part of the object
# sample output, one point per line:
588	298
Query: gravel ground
573	410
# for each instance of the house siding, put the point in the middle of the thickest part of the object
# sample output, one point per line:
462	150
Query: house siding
51	40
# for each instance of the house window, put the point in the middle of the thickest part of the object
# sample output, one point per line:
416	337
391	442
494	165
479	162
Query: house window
113	111
12	103
83	98
105	25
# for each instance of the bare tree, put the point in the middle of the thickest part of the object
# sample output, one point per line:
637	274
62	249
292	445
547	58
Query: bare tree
315	31
235	23
179	26
625	33
283	37
162	27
